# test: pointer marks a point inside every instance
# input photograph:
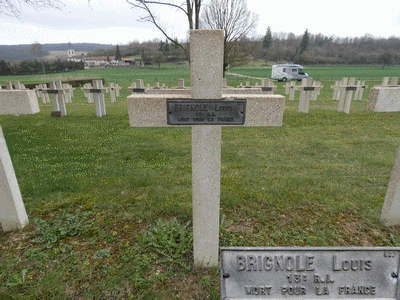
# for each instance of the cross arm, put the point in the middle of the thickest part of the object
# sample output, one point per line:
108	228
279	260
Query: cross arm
151	110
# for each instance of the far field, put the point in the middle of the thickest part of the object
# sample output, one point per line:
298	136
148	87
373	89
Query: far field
110	205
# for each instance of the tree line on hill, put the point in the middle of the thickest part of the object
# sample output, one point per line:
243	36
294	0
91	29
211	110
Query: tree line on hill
31	67
317	49
307	49
23	52
149	52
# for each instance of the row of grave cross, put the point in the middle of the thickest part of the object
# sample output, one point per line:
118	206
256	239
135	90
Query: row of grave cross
343	92
266	87
95	94
63	93
309	91
16	85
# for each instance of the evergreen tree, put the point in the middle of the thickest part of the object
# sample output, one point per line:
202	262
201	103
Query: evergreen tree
267	41
305	42
5	68
118	54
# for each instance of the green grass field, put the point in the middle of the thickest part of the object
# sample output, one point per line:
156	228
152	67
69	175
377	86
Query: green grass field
110	205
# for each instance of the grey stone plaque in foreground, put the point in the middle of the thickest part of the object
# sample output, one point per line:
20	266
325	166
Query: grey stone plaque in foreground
310	273
206	112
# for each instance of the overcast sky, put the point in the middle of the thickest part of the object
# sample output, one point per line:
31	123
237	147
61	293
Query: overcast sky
115	22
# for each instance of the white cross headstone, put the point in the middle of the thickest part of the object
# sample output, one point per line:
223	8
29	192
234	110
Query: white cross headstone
390	214
290	89
114	92
98	91
12	210
57	93
155	110
305	94
86	87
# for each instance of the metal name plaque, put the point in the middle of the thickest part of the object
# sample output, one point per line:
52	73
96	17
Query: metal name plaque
309	88
351	88
95	91
52	91
310	273
138	90
206	112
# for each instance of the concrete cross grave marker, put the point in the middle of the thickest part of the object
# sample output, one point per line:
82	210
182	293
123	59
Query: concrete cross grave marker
12	213
86	87
69	92
137	87
290	89
17	85
360	90
390	214
114	92
57	93
267	86
9	85
305	89
206	110
117	88
39	90
98	91
393	81
339	87
346	94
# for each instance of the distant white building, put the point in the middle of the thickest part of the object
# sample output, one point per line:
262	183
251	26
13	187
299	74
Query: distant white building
71	53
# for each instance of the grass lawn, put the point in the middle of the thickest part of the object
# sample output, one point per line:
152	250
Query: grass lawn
110	206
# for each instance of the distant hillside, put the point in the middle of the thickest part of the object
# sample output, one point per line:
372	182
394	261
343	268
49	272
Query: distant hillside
21	52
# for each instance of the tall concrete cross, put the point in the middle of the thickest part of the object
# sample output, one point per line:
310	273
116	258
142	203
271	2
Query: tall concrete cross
206	111
12	209
57	92
98	91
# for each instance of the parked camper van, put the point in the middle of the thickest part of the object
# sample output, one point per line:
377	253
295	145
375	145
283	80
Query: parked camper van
288	72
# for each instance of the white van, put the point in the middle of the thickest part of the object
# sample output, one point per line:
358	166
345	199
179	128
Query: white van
286	72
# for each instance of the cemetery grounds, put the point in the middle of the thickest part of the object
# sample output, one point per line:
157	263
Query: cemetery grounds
110	205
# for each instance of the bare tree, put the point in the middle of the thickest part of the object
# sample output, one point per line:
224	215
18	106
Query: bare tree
13	8
191	8
37	50
238	22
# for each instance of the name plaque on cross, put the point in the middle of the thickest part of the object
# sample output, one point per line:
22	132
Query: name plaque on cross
309	88
55	92
311	273
351	88
206	112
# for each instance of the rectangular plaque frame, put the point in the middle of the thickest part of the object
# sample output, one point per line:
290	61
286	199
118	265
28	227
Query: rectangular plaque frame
56	92
351	88
95	91
206	112
266	89
309	88
137	90
310	273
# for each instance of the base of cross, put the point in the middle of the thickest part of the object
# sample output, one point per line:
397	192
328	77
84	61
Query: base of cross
56	113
